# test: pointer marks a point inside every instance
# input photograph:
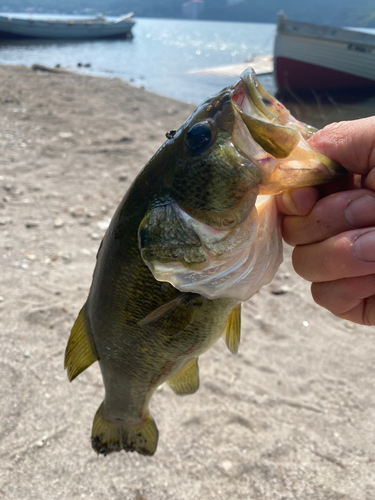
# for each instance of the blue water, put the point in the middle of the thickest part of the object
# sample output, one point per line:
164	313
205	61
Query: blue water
160	55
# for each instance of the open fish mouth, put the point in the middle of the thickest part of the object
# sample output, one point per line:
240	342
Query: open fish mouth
252	99
276	142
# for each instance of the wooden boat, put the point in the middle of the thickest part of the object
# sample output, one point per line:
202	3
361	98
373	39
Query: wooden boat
309	56
58	29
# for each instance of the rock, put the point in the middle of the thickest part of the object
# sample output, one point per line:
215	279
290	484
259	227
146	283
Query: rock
103	224
65	135
30	256
31	224
77	211
4	222
58	223
279	290
95	236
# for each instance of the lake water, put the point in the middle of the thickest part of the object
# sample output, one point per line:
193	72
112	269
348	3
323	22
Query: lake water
160	55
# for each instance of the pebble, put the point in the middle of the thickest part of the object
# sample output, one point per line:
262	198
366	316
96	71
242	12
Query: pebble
279	290
4	222
226	465
95	236
103	224
65	135
58	223
76	211
1	299
30	256
31	224
26	354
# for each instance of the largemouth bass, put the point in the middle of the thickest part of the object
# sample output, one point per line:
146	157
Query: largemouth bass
187	245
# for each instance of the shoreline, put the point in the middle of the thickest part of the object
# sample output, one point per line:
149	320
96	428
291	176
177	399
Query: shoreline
290	417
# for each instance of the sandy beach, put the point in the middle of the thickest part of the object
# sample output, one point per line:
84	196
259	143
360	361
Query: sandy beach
292	416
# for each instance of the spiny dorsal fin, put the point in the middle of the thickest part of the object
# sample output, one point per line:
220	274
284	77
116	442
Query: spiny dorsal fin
233	330
80	353
186	381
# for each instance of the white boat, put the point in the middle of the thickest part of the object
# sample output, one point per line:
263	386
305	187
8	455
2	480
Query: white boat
309	56
59	29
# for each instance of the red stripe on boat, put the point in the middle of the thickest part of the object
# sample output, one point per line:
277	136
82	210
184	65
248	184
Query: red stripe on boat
298	75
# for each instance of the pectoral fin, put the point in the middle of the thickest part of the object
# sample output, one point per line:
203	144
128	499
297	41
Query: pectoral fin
186	381
80	352
233	330
174	316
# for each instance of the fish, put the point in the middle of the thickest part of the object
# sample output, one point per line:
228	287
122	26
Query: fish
196	235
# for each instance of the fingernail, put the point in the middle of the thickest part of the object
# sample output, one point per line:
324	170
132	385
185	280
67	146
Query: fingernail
300	201
364	247
289	203
361	211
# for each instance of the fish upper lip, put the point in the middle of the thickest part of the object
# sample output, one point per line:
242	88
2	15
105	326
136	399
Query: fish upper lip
239	95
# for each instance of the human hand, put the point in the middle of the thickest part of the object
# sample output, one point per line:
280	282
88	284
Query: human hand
334	236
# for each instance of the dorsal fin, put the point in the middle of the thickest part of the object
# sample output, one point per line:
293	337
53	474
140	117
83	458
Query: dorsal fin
80	352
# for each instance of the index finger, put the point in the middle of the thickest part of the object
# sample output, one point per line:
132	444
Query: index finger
333	215
350	143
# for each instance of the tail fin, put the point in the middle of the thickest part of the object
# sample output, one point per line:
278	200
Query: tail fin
108	435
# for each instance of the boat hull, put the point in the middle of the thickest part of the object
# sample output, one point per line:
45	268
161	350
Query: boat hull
63	30
308	56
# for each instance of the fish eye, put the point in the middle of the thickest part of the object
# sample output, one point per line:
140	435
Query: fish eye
198	137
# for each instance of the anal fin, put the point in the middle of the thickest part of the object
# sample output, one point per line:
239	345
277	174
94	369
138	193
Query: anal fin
233	330
186	381
80	352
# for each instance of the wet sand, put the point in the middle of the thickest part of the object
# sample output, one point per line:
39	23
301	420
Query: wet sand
292	416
